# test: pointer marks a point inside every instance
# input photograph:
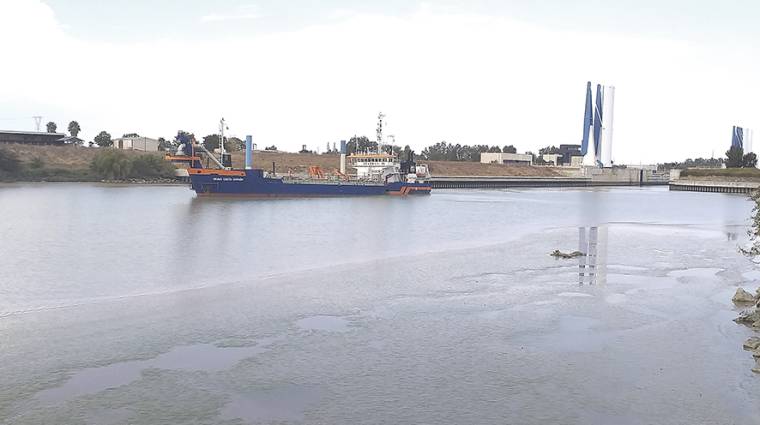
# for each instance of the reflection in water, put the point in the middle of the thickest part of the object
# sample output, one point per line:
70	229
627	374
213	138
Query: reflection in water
592	268
732	236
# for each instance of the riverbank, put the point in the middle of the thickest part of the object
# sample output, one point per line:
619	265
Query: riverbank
76	164
716	180
72	164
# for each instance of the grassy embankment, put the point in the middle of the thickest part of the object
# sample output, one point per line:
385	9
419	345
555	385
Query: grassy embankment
722	174
79	164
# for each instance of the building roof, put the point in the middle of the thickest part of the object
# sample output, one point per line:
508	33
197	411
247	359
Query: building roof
135	138
33	133
71	140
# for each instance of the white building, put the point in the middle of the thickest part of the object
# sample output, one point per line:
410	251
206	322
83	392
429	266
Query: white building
506	158
552	158
137	143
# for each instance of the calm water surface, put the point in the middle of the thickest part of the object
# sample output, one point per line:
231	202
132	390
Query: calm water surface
145	305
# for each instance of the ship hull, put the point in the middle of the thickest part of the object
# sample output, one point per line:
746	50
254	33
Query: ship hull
252	183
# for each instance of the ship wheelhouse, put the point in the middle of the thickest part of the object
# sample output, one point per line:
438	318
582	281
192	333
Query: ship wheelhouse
372	165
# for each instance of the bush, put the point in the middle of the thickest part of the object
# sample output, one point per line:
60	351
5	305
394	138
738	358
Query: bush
114	164
111	164
9	162
149	166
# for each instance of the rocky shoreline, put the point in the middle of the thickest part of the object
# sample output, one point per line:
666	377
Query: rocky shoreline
750	317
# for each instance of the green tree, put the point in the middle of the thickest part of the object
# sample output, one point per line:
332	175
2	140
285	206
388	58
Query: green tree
211	142
164	145
509	149
436	152
131	135
690	163
548	150
74	128
734	157
234	144
103	139
443	151
270	148
150	166
360	144
51	127
749	160
406	154
111	164
114	164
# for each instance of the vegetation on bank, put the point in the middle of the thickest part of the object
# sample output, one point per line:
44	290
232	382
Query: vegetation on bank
721	172
690	163
113	164
105	164
13	169
736	158
753	250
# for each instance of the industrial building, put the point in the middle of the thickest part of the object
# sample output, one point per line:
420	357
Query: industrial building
137	143
568	155
32	138
571	155
506	158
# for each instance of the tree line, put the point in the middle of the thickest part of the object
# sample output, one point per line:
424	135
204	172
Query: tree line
736	158
443	151
693	163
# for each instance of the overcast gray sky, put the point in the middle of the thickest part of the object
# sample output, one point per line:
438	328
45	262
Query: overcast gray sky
308	72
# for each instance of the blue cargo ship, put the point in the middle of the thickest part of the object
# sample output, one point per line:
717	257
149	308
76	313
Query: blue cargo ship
256	183
377	173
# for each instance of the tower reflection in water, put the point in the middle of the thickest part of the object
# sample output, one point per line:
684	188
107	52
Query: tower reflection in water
592	268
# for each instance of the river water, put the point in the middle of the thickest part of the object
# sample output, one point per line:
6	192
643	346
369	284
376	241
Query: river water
146	305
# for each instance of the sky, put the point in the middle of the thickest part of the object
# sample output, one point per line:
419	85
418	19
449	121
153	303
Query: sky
303	72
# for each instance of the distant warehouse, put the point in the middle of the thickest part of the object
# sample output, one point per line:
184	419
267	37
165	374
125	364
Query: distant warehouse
506	158
137	143
33	138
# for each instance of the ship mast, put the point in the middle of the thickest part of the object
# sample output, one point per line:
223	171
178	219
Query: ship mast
222	126
380	117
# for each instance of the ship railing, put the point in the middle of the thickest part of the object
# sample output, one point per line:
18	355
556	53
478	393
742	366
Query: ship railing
334	182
